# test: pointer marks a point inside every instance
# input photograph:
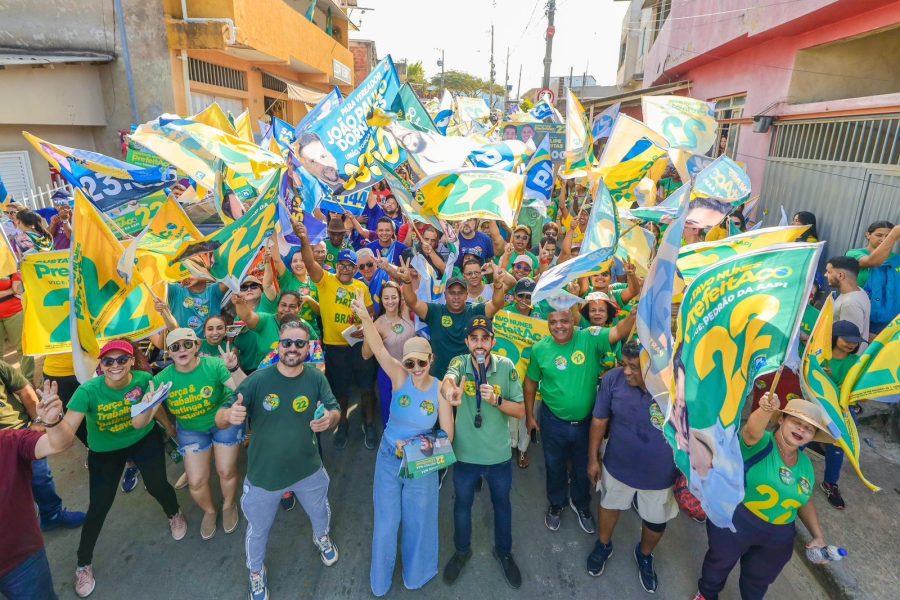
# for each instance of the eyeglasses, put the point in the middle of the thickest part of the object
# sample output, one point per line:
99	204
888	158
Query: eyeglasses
250	286
521	236
473	274
524	296
287	343
186	344
522	266
346	266
121	360
366	265
411	363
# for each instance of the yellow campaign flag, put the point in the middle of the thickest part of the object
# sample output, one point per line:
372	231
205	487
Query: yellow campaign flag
622	179
515	335
627	132
472	194
579	140
243	127
45	276
636	245
7	258
876	376
214	116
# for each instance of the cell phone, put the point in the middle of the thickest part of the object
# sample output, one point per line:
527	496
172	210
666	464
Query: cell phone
320	412
232	331
535	438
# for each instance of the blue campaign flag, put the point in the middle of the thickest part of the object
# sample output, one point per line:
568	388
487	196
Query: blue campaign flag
541	110
603	123
5	196
722	179
539	174
319	111
353	203
306	188
282	133
500	155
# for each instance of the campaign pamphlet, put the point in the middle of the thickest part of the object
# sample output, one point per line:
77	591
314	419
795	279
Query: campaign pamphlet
347	333
159	395
425	454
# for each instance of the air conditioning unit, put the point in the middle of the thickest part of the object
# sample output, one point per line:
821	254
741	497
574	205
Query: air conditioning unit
762	123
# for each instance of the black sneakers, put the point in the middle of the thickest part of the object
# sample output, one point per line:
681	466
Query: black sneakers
510	570
645	570
834	495
454	566
553	517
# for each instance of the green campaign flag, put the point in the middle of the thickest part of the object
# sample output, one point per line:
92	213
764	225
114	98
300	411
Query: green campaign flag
877	374
408	106
737	321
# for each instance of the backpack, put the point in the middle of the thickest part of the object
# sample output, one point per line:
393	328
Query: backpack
883	288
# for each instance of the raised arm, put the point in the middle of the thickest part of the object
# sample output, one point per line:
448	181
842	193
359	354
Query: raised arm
496	238
409	293
244	312
758	420
312	267
634	283
268	281
622	329
391	365
58	434
882	252
502	283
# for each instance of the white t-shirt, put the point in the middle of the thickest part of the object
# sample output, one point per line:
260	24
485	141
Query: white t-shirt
854	307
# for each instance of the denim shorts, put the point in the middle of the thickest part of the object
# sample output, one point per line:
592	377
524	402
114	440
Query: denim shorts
196	442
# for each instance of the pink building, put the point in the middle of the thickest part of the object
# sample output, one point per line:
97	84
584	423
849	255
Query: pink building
807	94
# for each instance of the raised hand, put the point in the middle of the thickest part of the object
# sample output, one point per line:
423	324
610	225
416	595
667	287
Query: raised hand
404	271
229	356
455	392
769	402
300	230
358	306
50	408
237	414
629	268
487	393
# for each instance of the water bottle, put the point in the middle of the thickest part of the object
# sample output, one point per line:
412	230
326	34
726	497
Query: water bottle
833	553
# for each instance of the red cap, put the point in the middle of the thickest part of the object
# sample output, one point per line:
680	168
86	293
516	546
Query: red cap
120	345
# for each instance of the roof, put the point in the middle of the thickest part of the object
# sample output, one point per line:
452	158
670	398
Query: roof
17	56
657	90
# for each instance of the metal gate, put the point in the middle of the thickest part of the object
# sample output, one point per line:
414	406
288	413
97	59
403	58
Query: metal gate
845	171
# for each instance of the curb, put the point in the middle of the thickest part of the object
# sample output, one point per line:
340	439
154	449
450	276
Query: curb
836	577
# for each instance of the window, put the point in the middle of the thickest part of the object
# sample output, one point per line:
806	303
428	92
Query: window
729	111
213	74
275	107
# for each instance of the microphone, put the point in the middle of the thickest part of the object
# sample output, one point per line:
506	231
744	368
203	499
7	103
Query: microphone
482	370
482	378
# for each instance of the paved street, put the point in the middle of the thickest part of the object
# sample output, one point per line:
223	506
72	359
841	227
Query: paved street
136	557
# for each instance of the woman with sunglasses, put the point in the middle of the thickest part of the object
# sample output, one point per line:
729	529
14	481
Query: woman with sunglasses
200	385
410	503
292	276
394	327
105	404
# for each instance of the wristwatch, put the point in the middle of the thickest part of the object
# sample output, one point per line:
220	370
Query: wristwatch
499	400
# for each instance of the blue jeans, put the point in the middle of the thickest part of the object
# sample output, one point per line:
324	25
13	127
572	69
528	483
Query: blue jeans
499	480
196	442
44	490
834	460
30	580
564	442
410	505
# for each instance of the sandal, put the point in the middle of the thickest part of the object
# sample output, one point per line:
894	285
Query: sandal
523	460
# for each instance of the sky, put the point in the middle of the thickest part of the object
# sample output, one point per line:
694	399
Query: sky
587	36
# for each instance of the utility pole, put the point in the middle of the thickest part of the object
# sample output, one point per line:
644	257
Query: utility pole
506	82
493	73
519	87
442	72
551	30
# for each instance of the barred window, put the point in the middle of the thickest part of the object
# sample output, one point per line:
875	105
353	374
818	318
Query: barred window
872	140
213	74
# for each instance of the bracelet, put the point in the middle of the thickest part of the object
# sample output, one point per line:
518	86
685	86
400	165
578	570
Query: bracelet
234	369
40	421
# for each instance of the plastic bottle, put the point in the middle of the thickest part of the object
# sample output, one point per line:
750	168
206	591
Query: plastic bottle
833	553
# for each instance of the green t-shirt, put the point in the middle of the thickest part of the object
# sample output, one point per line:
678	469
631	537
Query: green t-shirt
859	253
108	412
196	396
490	443
840	366
775	491
283	448
207	349
288	282
568	374
448	333
254	345
12	413
332	251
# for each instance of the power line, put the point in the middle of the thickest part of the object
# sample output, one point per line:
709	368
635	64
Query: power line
744	10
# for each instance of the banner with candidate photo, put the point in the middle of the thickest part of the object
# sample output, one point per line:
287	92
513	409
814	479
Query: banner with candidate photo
536	132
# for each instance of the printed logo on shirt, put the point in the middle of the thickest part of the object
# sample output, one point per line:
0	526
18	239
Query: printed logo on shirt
135	394
271	402
578	357
206	391
329	258
398	328
188	302
300	404
455	364
446	321
203	310
194	322
760	384
561	363
786	475
595	329
657	418
427	408
804	486
513	375
470	388
341	293
404	400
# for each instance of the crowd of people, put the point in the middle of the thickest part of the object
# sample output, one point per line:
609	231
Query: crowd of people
241	372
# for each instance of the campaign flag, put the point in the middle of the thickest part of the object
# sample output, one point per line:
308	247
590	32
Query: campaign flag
45	276
354	203
654	311
431	153
243	127
623	178
696	257
877	374
579	140
405	197
687	123
663	212
132	217
5	196
107	182
165	234
283	135
409	108
737	322
723	179
444	113
539	178
7	258
818	386
636	246
321	110
603	123
541	110
214	116
626	132
472	193
515	335
305	192
600	241
507	155
471	109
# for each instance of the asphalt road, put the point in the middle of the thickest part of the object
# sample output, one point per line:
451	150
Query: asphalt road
137	558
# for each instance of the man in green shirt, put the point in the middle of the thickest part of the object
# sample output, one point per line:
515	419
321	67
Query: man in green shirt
567	366
486	392
336	241
280	402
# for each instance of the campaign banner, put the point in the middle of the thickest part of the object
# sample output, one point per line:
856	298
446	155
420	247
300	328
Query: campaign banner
687	123
472	194
626	132
409	108
508	155
45	276
579	152
321	110
354	203
539	178
536	132
623	178
425	454
877	374
722	179
429	152
132	217
471	109
515	335
737	321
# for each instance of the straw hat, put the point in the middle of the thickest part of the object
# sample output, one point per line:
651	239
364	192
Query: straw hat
812	414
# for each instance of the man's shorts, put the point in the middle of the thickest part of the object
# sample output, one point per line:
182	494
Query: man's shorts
345	367
654	506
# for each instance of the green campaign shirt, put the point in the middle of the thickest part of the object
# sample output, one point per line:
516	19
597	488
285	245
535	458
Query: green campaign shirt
490	443
207	349
840	366
332	251
775	491
448	333
196	396
254	345
108	412
12	413
283	448
288	282
568	374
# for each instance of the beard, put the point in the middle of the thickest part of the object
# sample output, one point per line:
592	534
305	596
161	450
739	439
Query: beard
292	359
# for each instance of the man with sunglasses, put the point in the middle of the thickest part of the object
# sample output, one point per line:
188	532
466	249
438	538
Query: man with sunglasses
387	246
473	274
486	392
261	336
344	364
372	275
280	403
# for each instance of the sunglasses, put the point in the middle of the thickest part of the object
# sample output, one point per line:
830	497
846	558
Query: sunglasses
121	360
366	265
521	236
411	363
522	267
524	296
346	266
186	344
287	343
250	286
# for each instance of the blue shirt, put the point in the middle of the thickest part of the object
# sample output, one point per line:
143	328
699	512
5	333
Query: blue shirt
192	310
392	253
413	412
481	244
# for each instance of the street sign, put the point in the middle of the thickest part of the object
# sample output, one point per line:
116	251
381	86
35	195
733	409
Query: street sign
546	94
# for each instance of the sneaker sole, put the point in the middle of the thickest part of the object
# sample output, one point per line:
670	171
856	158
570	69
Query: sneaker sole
603	568
91	591
641	581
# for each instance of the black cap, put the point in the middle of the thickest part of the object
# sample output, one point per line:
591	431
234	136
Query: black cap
456	281
847	331
480	322
524	286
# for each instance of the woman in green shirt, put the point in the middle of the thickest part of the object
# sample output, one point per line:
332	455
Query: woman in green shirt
105	404
200	385
779	482
215	330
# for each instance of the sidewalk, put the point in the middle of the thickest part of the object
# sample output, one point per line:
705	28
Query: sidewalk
868	527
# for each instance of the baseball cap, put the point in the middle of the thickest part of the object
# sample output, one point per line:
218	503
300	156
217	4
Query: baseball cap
472	253
416	347
480	322
523	258
117	345
522	226
347	255
847	331
456	281
182	333
524	286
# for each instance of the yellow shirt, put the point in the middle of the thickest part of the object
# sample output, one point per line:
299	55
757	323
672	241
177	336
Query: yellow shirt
59	365
334	306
